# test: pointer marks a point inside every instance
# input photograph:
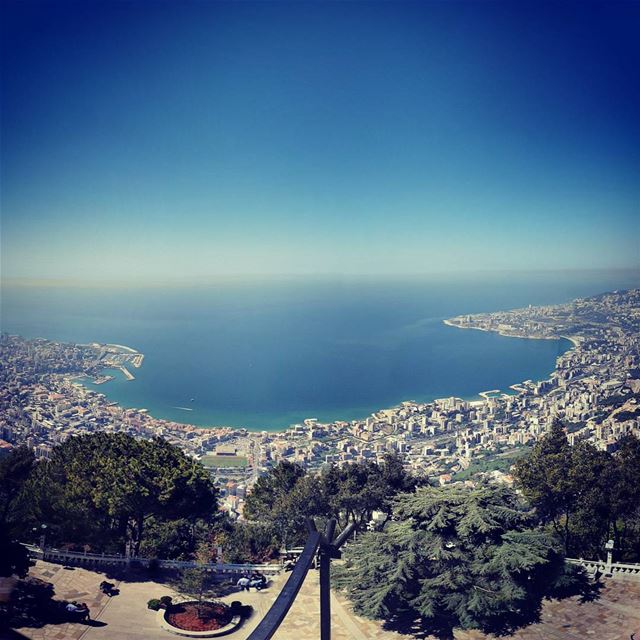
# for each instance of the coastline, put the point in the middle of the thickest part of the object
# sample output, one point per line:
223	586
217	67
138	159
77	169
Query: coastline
478	399
445	374
575	340
124	347
436	431
516	386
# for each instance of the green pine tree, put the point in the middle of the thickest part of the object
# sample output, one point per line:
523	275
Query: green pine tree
453	557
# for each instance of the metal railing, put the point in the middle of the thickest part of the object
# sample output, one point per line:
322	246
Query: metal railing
90	559
324	545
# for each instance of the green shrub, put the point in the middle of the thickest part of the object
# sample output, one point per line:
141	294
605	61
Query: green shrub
165	601
153	604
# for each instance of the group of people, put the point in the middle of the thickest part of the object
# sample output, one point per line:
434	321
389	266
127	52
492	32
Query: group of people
256	579
79	611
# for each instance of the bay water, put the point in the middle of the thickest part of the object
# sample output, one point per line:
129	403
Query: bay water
267	353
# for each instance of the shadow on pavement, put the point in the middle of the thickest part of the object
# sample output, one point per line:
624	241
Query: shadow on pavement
94	623
33	605
10	634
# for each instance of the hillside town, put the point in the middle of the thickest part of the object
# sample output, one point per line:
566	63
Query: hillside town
594	390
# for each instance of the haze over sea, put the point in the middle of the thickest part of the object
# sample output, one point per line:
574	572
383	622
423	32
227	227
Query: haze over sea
264	354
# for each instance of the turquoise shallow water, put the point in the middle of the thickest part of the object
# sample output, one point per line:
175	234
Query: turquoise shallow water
265	354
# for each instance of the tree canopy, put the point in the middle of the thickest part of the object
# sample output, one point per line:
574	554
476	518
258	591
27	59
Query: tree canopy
453	557
354	491
286	495
272	488
197	582
244	541
14	558
15	469
103	489
585	495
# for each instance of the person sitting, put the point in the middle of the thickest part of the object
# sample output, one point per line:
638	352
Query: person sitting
258	581
73	607
243	583
79	611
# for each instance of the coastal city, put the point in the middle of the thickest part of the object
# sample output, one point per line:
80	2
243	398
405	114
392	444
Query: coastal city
594	390
320	320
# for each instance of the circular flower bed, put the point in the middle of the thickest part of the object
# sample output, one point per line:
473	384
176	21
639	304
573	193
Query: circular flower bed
190	616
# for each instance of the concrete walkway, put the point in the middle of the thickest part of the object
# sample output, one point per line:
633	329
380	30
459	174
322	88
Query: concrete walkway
126	617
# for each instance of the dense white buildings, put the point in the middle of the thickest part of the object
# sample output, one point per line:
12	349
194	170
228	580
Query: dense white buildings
594	390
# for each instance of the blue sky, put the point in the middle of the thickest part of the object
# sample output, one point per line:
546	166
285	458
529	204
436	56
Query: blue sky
194	139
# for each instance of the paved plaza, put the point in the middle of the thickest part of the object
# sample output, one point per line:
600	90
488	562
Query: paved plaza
615	616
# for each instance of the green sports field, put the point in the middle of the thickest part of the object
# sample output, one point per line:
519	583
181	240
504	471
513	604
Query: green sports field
223	461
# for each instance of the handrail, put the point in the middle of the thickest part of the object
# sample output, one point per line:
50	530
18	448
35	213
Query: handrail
628	568
623	565
53	554
327	548
270	623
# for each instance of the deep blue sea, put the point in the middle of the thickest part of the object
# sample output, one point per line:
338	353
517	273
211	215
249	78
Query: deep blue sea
264	354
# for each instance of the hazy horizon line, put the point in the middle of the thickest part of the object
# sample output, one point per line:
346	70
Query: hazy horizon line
15	282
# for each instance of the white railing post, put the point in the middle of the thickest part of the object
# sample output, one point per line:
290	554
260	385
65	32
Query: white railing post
609	548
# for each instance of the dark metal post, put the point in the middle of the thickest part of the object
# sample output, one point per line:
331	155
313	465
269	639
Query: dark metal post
270	623
328	549
325	593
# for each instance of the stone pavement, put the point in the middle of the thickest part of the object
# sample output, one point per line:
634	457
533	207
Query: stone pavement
126	616
69	584
615	616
